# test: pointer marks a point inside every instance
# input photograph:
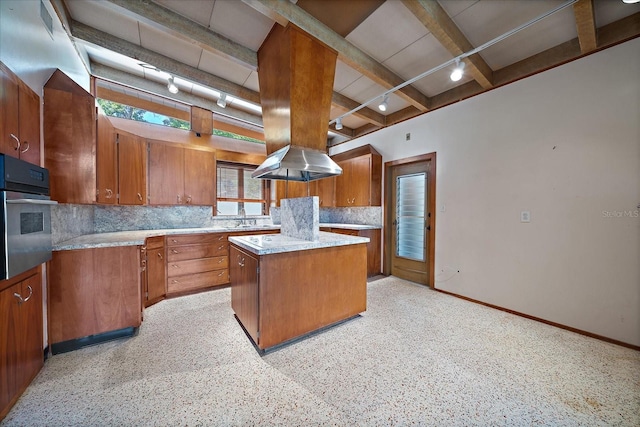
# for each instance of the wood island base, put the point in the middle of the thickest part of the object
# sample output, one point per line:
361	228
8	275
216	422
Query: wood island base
283	296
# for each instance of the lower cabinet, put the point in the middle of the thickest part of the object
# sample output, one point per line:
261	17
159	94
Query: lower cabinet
374	265
245	290
93	291
155	288
21	352
196	261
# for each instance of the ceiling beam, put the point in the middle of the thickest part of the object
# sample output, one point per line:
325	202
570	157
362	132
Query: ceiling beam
285	11
163	63
345	131
165	19
586	25
436	20
365	113
160	89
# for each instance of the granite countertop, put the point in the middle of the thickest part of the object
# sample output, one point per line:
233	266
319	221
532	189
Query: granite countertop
277	243
137	237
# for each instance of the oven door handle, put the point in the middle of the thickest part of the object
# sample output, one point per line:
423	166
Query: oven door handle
32	201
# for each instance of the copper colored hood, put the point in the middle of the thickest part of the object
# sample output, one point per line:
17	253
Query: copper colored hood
296	73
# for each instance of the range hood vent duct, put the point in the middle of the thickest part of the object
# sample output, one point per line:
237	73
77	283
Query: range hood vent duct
296	73
295	163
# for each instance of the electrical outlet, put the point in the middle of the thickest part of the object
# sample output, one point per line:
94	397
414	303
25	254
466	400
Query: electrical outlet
525	216
407	137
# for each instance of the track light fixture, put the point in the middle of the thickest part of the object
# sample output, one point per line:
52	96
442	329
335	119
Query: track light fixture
457	73
339	123
384	104
171	85
222	101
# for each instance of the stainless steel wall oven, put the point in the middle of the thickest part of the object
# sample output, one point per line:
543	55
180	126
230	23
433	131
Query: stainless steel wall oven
26	216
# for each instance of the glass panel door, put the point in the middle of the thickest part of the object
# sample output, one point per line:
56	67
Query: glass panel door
410	215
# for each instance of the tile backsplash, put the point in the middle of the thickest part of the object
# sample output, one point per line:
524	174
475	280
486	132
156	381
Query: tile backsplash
69	221
369	215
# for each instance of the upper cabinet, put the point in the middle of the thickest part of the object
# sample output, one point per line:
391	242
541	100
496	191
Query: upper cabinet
180	175
70	140
19	118
132	169
361	181
323	188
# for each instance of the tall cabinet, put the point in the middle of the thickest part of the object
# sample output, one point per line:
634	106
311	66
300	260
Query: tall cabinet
69	140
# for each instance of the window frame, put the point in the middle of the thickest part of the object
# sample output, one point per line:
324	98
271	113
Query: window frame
241	200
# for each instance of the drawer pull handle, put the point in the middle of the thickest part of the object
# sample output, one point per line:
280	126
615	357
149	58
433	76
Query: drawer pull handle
220	247
240	261
175	266
221	273
179	199
220	261
159	255
175	281
23	300
173	251
174	240
221	238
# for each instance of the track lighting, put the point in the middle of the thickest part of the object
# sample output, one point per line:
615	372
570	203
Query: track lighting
222	101
384	104
456	75
339	123
171	85
630	1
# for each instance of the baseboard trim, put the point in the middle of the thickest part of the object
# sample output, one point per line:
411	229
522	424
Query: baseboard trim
76	344
548	322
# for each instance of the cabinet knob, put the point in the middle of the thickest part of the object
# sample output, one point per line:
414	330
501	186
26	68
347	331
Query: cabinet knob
139	196
17	141
23	144
23	300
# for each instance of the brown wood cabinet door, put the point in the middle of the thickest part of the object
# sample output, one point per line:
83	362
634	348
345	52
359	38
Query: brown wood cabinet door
9	333
69	140
360	181
106	162
166	175
245	290
9	111
92	291
132	170
344	185
156	275
30	327
199	177
325	190
29	125
291	190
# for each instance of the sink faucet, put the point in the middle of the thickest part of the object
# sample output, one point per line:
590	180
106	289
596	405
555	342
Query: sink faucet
243	214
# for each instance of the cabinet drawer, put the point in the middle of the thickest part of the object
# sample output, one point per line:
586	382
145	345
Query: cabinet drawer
197	281
180	268
155	242
345	231
190	239
179	253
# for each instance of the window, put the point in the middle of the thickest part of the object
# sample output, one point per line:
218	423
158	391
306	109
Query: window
238	191
115	109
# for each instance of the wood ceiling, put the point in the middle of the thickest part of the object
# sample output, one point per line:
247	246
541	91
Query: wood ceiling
212	45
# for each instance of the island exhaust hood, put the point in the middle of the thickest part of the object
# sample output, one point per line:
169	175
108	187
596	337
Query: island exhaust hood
296	73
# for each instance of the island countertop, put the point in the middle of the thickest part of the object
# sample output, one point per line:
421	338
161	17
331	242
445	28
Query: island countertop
277	243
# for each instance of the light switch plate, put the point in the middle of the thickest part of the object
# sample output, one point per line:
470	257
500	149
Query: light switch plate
525	216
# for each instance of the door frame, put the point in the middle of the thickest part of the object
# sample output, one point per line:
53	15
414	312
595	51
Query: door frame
431	203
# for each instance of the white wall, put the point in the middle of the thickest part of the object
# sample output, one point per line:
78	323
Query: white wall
28	49
564	145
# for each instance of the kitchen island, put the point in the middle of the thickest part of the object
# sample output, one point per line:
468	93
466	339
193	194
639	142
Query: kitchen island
283	288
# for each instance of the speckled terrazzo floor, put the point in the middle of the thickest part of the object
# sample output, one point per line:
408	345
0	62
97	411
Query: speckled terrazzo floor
416	357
